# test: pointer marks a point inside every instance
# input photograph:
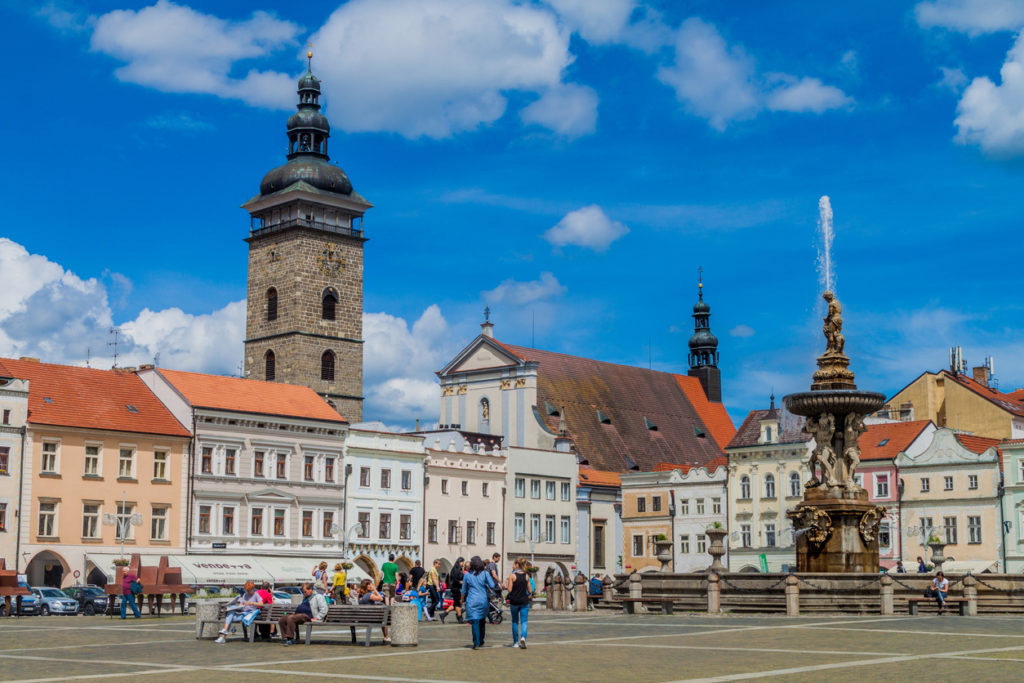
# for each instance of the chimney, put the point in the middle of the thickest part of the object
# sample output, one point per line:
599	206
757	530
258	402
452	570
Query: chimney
29	359
981	375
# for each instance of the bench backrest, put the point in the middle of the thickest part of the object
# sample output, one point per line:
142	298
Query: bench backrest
358	614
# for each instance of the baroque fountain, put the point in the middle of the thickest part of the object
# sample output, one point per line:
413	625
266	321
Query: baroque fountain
835	525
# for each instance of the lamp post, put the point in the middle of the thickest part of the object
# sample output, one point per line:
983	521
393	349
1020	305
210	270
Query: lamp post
336	529
522	537
121	521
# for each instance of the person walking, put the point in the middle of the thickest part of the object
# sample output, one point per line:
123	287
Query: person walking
940	587
455	586
900	569
520	595
312	608
389	570
494	569
417	572
320	578
338	585
130	586
433	589
476	586
245	608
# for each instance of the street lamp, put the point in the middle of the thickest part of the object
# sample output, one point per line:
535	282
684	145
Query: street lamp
122	522
522	537
336	529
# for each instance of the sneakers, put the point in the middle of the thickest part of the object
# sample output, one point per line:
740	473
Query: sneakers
514	645
522	642
223	632
221	640
290	641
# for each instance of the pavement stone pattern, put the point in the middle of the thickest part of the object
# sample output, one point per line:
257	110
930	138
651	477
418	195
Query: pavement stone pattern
562	647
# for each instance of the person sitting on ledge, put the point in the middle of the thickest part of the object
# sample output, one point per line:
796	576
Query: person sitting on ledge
940	586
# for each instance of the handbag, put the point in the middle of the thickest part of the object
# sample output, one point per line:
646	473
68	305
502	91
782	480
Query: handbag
929	593
250	617
136	587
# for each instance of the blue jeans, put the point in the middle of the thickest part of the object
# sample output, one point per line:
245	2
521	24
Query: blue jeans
479	630
520	613
940	598
129	599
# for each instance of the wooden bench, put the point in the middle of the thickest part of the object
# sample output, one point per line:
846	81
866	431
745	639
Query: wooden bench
912	604
269	614
353	616
629	604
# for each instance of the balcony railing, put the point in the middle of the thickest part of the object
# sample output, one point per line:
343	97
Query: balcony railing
306	223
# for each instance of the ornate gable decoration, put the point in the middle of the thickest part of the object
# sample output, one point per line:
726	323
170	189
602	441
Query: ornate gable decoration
481	354
945	449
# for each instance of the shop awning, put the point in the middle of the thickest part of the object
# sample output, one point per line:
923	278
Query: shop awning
965	566
286	570
221	569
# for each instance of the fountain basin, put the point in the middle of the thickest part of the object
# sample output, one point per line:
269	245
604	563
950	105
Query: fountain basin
837	402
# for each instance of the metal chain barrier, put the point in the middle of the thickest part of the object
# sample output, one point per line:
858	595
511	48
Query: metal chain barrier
1008	591
823	587
760	589
901	583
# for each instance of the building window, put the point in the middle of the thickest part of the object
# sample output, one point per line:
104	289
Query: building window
329	470
794	484
364	525
700	506
485	489
454	532
3	516
535	528
745	535
684	544
405	527
90	520
684	506
92	461
158	524
257	464
926	485
702	543
926	524
520	487
947	483
271	304
327	524
881	486
535	488
490	533
549	528
471	533
564	524
256	523
549	490
769	486
7	417
327	366
972	481
204	519
47	519
565	490
385	524
229	461
160	465
49	461
364	476
465	488
656	503
519	526
307	468
385	479
769	535
406	480
279	525
949	524
282	466
207	460
228	528
126	464
307	524
124	519
884	535
269	366
744	487
328	305
638	545
974	530
444	487
431	531
641	504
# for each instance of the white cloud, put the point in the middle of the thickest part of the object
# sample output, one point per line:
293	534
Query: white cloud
588	227
596	21
65	17
953	79
991	115
972	17
720	83
517	293
569	110
742	331
211	342
174	48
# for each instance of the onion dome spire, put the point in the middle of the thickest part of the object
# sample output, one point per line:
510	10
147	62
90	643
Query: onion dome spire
703	357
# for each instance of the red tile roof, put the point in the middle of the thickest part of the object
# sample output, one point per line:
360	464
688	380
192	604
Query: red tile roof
68	396
250	396
790	428
1012	403
977	444
714	414
885	441
684	431
589	475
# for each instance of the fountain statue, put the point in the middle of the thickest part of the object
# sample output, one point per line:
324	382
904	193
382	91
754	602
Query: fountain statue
836	526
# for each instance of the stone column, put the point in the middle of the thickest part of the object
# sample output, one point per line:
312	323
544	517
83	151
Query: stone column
206	610
755	517
608	589
714	594
580	590
405	628
731	521
792	596
556	593
636	591
886	592
549	592
971	594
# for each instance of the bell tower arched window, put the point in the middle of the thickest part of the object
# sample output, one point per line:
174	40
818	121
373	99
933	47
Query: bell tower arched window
329	304
270	366
271	304
327	366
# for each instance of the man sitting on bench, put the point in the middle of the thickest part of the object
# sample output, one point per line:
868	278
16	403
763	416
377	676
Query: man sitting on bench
312	608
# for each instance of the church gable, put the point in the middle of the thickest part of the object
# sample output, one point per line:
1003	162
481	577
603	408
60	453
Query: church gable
481	354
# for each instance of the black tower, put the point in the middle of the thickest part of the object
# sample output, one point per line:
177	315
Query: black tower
703	355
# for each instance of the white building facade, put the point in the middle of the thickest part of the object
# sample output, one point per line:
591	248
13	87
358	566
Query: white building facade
13	414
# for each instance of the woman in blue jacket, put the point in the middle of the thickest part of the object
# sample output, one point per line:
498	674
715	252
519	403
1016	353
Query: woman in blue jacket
476	584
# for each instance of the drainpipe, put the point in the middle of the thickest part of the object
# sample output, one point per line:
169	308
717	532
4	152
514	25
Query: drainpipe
899	509
672	518
190	490
21	498
504	506
1000	491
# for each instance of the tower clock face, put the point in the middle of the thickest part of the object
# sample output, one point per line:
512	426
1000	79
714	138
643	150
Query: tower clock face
330	262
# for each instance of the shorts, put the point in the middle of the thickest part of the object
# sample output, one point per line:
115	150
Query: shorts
389	591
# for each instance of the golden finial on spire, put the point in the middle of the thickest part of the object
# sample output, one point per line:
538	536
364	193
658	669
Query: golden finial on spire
309	56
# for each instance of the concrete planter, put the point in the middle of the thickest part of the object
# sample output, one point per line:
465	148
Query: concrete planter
717	548
663	553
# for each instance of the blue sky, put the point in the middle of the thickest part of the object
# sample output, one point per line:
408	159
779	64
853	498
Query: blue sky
569	163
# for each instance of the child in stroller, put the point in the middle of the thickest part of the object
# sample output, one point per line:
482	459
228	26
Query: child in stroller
495	603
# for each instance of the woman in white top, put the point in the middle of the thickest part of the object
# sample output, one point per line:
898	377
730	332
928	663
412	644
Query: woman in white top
940	586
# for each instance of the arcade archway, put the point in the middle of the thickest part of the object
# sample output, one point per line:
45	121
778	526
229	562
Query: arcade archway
47	568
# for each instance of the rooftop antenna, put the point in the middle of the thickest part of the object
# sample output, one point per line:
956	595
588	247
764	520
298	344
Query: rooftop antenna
240	369
88	356
487	314
116	332
156	360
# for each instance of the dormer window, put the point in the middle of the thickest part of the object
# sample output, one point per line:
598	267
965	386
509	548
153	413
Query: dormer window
603	419
650	425
550	409
768	434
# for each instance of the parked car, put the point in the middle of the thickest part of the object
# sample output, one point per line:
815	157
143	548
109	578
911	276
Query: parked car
29	605
91	599
54	601
283	596
293	590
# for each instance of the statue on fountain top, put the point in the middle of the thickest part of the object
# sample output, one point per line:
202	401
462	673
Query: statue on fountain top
834	339
833	365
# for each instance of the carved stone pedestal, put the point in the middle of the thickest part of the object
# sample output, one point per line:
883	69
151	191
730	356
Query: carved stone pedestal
837	531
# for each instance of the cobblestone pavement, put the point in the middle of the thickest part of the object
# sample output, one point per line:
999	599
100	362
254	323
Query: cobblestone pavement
562	647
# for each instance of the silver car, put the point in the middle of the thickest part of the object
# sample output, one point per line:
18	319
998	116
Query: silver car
54	601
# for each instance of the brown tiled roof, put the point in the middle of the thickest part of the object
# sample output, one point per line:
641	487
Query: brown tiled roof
710	466
250	396
69	396
714	414
625	395
884	441
588	475
790	428
1011	403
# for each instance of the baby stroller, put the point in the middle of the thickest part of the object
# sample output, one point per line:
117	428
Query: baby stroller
495	604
